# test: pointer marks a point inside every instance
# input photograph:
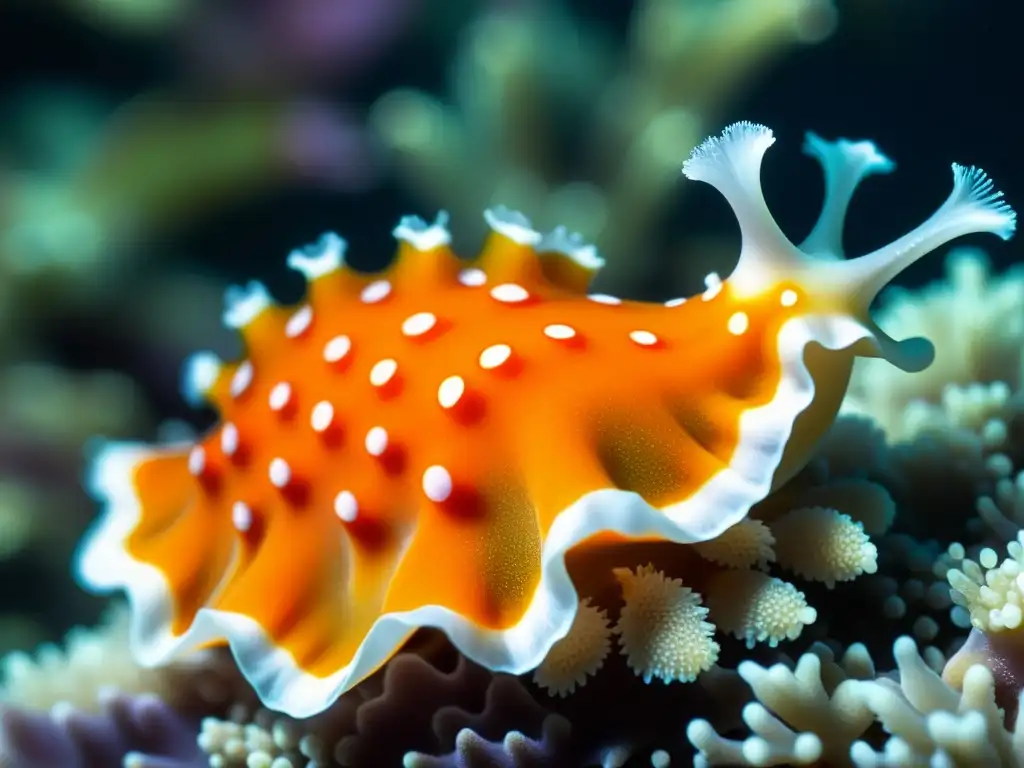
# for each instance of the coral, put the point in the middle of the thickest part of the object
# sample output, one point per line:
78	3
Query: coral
514	751
989	589
140	731
261	742
579	654
747	544
988	593
758	608
1003	511
820	713
661	627
822	544
92	661
974	318
412	705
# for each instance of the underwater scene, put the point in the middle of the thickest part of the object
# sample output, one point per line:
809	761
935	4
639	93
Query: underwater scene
511	384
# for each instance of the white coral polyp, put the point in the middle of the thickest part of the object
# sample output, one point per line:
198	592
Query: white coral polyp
262	743
661	627
90	660
798	718
578	655
747	544
758	608
991	591
974	318
822	544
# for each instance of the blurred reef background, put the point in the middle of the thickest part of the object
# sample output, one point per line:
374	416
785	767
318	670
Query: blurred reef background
153	152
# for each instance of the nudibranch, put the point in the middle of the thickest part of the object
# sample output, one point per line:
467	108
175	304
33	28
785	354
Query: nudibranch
422	447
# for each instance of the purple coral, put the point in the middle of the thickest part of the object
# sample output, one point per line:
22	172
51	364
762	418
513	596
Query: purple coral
514	751
139	731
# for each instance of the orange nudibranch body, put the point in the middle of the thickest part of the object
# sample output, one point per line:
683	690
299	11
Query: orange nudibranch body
421	447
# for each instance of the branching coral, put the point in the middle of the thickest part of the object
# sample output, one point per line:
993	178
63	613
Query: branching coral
821	712
990	590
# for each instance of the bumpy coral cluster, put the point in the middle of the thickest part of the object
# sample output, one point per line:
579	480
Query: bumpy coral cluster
820	711
665	631
979	364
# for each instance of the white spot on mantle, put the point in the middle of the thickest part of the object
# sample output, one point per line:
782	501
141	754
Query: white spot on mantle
229	439
299	322
375	292
280	395
559	331
337	348
419	324
738	323
495	356
383	371
473	277
451	391
437	484
643	338
321	417
509	293
241	516
197	460
376	441
242	378
346	507
280	473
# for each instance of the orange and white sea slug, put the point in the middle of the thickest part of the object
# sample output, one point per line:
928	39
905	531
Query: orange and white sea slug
422	447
